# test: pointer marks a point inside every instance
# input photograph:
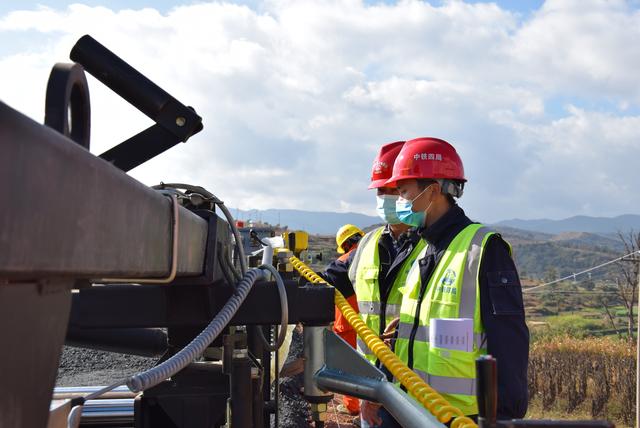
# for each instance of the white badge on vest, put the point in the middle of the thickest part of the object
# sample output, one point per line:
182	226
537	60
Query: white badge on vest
451	333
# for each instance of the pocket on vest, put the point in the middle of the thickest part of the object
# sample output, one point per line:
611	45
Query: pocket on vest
451	362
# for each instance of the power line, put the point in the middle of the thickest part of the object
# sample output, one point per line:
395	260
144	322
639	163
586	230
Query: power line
585	292
572	276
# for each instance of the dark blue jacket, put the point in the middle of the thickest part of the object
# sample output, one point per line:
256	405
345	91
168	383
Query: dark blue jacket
501	307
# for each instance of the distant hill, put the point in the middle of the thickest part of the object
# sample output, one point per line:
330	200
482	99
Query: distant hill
317	222
599	225
541	255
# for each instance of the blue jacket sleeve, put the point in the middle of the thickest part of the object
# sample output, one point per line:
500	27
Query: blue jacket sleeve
337	274
502	312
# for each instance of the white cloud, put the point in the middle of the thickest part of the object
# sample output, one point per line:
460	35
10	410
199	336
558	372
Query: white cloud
297	96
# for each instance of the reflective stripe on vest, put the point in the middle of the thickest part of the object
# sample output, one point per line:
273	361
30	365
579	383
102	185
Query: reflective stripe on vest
449	385
452	293
367	308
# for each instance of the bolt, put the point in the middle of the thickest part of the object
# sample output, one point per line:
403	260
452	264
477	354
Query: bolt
180	121
240	353
319	407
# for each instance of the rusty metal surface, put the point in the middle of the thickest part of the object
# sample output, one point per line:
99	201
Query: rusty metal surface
67	213
34	319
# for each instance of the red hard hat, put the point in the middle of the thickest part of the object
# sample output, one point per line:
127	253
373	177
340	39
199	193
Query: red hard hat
383	165
427	158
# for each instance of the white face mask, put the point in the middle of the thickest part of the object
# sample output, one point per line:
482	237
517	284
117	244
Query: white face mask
386	208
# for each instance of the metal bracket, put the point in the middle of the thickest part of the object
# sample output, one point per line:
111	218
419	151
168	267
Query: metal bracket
67	107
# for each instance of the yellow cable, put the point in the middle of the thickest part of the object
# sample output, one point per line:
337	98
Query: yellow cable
426	395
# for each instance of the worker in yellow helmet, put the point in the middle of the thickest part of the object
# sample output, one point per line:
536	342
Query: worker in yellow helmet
347	237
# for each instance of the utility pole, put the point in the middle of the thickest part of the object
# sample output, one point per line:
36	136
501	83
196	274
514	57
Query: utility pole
637	256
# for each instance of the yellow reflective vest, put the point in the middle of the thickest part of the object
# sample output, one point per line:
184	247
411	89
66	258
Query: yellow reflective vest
363	272
447	335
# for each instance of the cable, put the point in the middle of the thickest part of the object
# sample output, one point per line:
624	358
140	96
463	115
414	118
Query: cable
528	290
196	347
226	272
284	308
213	198
422	392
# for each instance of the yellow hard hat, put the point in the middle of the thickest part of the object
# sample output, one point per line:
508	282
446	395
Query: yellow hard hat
346	232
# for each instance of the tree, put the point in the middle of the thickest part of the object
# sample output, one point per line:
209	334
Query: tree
627	278
551	274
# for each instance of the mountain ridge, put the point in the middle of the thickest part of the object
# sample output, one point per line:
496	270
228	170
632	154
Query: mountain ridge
328	222
578	223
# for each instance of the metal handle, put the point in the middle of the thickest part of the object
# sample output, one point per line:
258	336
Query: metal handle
134	87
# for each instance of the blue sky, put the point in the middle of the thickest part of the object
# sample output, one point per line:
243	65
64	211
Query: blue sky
540	98
521	6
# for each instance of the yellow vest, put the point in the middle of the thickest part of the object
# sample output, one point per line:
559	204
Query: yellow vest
364	271
447	336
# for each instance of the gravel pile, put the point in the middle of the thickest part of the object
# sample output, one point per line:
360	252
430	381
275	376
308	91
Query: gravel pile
85	367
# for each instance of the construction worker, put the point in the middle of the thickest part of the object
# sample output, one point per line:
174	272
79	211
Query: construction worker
464	283
347	239
379	265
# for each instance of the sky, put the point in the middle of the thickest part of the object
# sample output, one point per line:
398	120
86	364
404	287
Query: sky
540	98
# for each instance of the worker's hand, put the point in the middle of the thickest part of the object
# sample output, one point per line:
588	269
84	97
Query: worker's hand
369	412
390	331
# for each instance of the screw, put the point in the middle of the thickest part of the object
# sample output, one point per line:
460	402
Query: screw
180	121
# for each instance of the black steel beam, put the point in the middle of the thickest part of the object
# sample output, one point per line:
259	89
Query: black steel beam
71	214
130	306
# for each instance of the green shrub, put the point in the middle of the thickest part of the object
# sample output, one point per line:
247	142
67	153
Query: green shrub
567	325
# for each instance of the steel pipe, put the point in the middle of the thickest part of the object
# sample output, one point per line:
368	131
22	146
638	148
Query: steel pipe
108	412
405	410
68	392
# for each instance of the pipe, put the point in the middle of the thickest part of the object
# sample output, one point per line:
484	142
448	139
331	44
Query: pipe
487	376
405	410
241	413
70	392
313	353
108	412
